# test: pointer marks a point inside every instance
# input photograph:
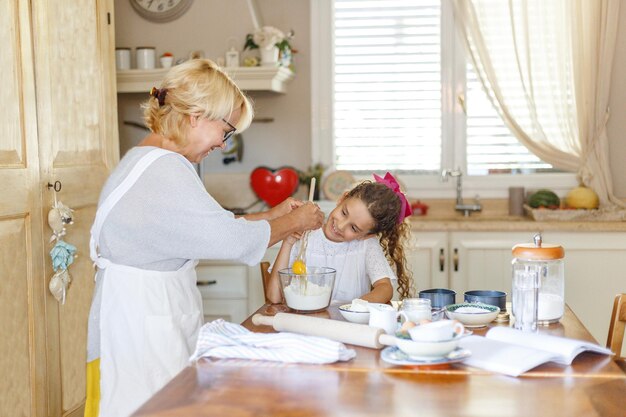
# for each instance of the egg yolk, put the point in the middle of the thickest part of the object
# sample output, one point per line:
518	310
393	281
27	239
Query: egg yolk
299	267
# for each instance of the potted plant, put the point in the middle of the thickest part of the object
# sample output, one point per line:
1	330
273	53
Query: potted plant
273	44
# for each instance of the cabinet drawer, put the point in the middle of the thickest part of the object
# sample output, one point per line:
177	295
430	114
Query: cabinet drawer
223	281
234	311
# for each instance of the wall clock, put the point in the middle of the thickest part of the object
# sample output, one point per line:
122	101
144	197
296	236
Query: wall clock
161	11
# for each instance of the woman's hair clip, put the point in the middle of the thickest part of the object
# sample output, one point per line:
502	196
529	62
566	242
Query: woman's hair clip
159	94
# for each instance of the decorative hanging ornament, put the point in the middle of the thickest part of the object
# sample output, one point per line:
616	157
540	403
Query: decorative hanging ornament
59	284
59	216
62	253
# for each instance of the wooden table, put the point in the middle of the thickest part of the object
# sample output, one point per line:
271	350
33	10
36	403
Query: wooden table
366	386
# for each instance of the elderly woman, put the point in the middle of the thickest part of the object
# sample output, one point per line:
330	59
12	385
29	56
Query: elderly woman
154	220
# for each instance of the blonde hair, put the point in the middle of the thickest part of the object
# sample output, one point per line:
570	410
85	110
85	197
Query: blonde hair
195	87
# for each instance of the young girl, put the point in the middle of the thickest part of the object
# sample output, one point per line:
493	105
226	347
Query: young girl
362	236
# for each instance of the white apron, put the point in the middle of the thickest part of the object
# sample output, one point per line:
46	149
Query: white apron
149	320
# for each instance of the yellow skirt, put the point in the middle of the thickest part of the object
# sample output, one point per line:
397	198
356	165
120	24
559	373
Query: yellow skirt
92	403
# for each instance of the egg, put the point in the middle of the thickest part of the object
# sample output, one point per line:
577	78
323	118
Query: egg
299	267
407	325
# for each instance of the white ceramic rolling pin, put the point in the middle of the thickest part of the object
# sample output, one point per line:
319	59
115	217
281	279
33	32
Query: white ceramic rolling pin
340	331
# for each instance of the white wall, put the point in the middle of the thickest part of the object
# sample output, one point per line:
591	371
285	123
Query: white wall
209	24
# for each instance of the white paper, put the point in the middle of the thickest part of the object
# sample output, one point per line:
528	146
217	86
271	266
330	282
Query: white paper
512	352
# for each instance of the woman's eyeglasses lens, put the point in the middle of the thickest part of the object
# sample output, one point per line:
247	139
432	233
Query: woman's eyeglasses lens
228	134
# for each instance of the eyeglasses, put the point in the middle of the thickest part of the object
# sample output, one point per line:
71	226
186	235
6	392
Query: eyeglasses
228	134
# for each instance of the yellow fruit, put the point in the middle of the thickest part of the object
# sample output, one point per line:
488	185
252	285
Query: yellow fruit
582	198
299	267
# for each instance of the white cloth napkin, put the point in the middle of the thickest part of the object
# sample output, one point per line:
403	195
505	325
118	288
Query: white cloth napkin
221	339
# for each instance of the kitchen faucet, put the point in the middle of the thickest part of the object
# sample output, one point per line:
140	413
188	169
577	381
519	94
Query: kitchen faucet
466	209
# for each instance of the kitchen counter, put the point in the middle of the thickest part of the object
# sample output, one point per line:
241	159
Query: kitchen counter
494	217
366	386
508	223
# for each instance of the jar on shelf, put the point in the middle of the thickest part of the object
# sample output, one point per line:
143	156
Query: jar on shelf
545	262
146	57
122	59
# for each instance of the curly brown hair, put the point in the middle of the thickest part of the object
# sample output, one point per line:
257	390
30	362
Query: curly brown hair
384	206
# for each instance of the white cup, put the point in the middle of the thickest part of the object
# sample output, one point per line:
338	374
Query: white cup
146	57
385	317
436	331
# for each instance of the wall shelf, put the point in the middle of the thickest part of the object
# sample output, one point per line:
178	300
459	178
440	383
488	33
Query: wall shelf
247	78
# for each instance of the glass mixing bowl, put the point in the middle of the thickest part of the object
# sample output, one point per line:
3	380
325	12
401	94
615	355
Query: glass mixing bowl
310	292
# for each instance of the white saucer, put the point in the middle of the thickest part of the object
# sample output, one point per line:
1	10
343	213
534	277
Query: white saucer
393	355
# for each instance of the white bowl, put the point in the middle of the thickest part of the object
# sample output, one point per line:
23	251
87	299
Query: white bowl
472	314
426	350
361	317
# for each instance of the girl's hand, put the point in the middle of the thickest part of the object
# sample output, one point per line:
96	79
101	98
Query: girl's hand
293	238
287	206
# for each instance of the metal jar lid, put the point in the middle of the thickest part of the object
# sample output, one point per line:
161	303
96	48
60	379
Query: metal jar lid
538	251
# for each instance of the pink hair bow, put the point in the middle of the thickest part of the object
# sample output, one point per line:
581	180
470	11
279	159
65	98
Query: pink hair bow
391	182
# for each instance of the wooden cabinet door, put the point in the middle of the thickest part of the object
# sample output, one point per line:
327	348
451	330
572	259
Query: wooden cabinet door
78	146
22	289
482	260
426	256
59	123
595	265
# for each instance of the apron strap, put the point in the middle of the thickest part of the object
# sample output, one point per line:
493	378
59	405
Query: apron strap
112	199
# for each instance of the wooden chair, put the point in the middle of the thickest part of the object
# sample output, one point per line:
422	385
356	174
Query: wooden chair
616	329
272	307
265	274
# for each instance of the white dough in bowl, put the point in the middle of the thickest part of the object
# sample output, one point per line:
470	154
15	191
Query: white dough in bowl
359	305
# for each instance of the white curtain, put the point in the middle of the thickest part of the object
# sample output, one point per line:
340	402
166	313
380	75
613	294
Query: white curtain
546	66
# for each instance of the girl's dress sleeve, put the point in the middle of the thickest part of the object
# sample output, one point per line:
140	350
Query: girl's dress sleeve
376	263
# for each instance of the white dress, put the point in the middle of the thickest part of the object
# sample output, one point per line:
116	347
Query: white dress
359	263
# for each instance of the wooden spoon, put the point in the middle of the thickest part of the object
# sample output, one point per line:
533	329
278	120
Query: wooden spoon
299	265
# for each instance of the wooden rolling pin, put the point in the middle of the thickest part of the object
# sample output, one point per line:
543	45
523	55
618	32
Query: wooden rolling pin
340	331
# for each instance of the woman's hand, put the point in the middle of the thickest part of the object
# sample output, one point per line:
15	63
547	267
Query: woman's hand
286	207
308	216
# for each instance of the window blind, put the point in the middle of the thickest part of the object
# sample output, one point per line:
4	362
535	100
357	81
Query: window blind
491	148
387	85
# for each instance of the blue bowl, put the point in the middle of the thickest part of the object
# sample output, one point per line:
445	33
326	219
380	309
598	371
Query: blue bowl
439	297
494	298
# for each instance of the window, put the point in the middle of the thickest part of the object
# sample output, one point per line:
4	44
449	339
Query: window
387	85
404	98
490	146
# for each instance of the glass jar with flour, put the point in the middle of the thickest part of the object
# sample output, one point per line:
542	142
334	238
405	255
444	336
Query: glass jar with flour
545	263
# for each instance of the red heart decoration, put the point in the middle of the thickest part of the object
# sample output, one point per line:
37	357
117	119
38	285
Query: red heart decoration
274	185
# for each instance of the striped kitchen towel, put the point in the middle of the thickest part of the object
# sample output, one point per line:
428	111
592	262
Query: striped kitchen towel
221	339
